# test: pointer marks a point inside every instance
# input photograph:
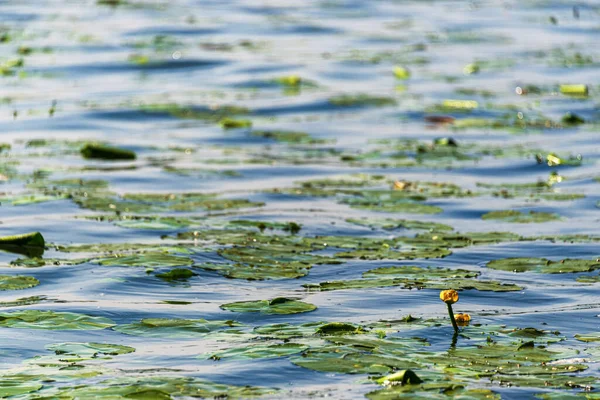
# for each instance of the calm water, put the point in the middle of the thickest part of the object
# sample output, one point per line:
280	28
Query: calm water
96	72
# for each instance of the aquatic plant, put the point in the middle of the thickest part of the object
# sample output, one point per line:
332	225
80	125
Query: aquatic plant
450	297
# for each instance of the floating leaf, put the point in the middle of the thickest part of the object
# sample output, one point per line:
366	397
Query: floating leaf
288	331
153	223
420	277
391	224
251	272
520	217
177	274
544	266
17	282
40	262
89	350
279	305
434	390
9	388
588	337
230	123
256	351
392	206
354	360
23	301
174	328
149	260
35	319
460	104
420	273
361	100
157	388
288	137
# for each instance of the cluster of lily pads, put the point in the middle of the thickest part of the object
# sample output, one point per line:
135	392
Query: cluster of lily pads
388	351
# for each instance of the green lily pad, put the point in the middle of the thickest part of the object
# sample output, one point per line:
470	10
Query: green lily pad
457	284
409	276
279	305
354	284
27	198
256	351
288	137
251	272
291	227
389	254
151	202
544	266
462	239
544	190
149	260
339	328
392	206
588	337
89	350
8	282
520	217
351	360
420	273
232	123
207	114
157	388
269	262
9	388
152	223
473	284
119	248
177	274
51	320
361	100
434	390
23	301
174	328
392	224
588	279
40	262
287	331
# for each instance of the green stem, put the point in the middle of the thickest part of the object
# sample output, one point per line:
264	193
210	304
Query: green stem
451	314
454	340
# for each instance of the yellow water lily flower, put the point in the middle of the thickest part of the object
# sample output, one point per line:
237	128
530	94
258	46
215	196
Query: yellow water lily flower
462	319
400	185
449	296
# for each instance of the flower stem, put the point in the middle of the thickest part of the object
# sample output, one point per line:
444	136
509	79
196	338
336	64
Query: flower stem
451	314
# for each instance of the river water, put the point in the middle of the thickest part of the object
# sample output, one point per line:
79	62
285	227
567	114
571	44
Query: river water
237	105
